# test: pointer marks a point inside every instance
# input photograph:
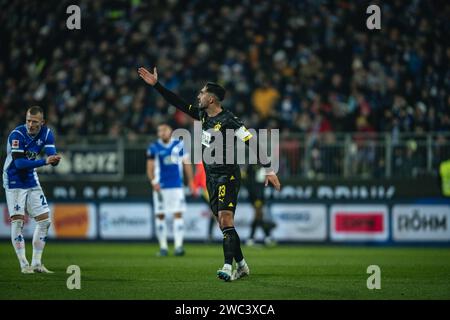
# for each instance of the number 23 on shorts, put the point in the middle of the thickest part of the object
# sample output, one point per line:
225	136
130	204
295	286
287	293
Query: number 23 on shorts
222	190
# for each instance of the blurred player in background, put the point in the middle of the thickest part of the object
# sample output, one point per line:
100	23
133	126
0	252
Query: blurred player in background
254	180
166	159
22	188
200	187
223	179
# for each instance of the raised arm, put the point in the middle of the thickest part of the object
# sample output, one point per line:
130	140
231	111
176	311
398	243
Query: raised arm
169	96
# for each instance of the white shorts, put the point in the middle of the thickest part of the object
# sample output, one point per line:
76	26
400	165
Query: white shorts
169	201
26	201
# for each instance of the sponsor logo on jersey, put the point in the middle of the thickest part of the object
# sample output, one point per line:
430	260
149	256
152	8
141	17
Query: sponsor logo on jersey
31	155
15	144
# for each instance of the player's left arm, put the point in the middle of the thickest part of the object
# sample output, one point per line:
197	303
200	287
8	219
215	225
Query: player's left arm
187	167
152	153
189	175
244	135
49	146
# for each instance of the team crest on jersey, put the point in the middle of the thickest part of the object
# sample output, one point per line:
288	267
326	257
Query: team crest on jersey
39	142
217	126
15	144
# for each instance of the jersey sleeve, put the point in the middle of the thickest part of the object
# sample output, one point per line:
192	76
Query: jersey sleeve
177	102
16	142
49	146
151	153
240	131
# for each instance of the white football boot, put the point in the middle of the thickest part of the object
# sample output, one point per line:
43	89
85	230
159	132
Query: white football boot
26	269
41	269
224	274
240	272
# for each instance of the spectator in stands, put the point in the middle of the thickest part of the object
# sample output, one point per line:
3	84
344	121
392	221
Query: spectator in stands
305	48
310	66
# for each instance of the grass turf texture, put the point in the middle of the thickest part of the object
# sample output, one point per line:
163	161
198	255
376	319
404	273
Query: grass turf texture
132	271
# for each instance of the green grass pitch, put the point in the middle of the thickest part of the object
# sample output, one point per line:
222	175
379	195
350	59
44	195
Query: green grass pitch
132	271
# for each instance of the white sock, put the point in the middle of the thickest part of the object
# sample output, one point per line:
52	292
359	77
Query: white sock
18	241
39	240
161	233
178	232
241	263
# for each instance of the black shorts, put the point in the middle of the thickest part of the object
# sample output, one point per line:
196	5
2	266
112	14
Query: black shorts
223	191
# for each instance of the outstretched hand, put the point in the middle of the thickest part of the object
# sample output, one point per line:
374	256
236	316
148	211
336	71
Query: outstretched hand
273	179
147	76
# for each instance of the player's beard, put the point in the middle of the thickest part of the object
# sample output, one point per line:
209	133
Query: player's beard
36	131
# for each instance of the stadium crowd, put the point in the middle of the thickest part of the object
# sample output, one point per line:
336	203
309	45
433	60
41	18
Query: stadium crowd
303	66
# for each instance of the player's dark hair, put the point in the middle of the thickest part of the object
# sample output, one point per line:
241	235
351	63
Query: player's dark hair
164	124
216	89
34	110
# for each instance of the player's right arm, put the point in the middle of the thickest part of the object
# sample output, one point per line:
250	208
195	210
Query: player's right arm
151	169
169	96
18	154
